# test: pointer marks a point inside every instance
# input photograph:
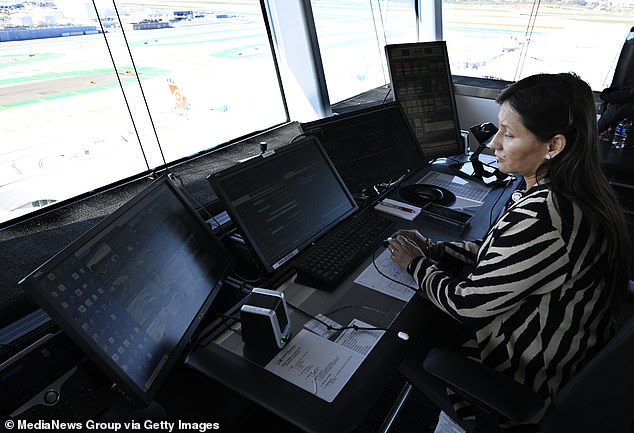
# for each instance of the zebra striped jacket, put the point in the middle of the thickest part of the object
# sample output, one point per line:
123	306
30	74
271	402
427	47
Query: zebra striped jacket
534	294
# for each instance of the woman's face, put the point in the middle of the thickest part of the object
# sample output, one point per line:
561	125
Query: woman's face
517	150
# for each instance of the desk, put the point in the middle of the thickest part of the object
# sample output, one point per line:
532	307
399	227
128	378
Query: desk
225	360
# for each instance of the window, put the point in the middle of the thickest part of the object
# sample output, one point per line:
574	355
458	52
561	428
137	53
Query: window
512	39
352	35
82	109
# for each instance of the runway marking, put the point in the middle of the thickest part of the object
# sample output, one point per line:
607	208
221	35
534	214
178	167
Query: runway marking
144	74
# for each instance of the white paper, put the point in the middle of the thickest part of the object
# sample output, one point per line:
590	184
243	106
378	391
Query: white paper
315	364
447	425
371	278
319	328
361	340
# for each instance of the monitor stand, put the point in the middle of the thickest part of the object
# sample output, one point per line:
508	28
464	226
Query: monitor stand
476	169
482	172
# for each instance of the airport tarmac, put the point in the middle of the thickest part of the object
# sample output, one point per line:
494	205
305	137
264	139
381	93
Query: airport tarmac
66	125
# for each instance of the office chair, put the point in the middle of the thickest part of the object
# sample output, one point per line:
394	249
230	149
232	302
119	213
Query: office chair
599	398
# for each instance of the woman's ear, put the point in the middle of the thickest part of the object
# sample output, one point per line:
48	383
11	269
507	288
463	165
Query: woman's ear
556	145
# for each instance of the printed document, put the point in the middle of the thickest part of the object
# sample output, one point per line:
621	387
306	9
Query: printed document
360	340
370	277
315	364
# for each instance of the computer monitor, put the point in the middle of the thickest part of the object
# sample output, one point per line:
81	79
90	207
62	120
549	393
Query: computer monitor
284	201
421	81
131	291
370	146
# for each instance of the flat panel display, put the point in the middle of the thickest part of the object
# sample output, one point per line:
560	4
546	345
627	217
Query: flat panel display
132	290
369	147
421	82
284	201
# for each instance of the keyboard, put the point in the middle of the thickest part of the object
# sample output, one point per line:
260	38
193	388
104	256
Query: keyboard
326	264
465	189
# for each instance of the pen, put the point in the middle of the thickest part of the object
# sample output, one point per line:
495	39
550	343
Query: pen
396	206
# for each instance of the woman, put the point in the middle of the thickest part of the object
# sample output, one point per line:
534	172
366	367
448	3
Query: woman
540	290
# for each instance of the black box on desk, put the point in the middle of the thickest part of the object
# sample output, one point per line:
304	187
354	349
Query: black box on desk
264	319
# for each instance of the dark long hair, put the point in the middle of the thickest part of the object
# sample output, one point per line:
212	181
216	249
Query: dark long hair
550	104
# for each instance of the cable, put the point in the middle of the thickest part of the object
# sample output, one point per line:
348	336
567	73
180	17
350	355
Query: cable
415	289
376	32
114	65
362	307
226	317
255	281
136	74
389	90
400	334
527	38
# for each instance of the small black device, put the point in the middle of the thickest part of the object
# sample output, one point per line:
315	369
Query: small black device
264	319
132	290
445	214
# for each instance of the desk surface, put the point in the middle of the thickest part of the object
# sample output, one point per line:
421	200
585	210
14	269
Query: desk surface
229	364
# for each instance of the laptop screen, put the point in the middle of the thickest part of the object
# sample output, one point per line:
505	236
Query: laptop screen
421	81
370	146
131	291
284	201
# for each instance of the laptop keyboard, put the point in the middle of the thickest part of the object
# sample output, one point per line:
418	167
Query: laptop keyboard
325	265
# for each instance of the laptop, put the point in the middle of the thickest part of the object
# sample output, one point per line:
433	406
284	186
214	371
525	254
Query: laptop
132	290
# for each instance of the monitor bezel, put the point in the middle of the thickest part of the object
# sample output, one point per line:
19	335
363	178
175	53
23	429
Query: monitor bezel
314	127
389	54
215	179
135	393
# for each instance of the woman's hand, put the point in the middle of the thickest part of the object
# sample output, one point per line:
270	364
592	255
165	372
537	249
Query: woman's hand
414	236
433	250
404	250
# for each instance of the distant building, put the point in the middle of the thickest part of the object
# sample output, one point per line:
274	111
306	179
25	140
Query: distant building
150	25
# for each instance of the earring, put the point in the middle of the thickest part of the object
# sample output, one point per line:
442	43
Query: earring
548	156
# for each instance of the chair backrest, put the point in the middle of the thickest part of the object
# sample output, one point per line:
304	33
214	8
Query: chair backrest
600	397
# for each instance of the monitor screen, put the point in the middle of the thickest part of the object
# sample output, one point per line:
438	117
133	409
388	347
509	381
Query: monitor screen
284	201
421	82
132	290
370	146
